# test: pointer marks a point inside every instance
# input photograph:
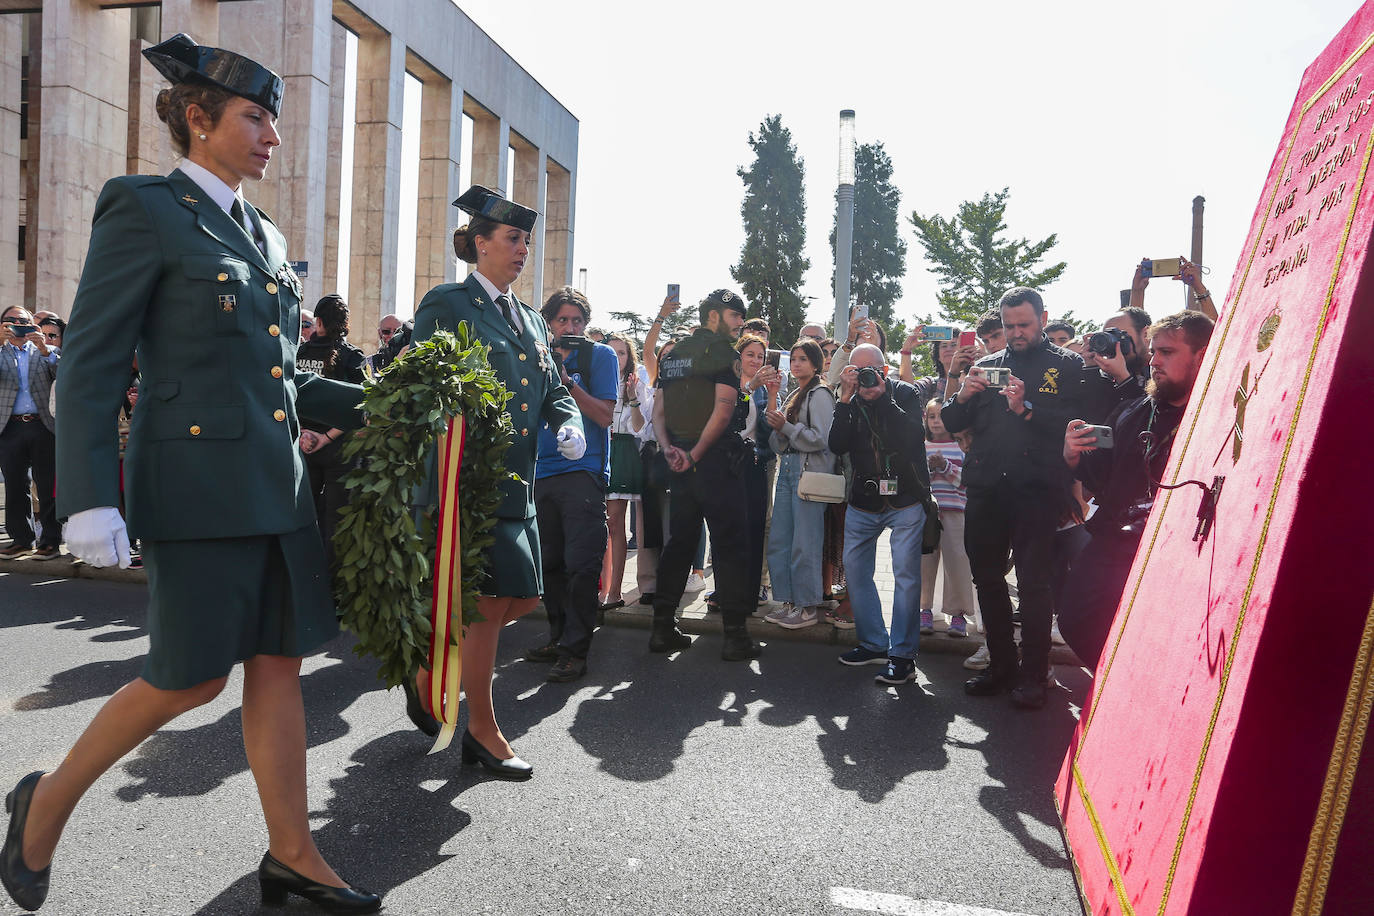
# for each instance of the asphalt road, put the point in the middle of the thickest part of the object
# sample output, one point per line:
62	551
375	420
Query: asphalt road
679	785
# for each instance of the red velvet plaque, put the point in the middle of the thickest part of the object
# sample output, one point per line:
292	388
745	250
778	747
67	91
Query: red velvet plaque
1217	768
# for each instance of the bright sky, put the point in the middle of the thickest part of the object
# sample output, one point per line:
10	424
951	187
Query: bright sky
1104	119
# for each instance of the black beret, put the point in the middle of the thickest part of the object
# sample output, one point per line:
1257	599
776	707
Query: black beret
722	300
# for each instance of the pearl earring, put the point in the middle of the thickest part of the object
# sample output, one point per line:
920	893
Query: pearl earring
201	136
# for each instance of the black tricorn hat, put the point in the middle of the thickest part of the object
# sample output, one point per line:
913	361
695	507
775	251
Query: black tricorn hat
484	202
181	60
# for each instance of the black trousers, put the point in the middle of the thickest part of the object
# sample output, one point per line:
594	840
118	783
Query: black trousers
711	492
29	448
1093	592
1020	521
327	469
756	504
572	538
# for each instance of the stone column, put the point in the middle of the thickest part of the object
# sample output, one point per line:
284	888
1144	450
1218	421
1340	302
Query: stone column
150	149
376	177
83	83
295	40
441	125
197	18
490	140
558	227
541	289
333	177
524	188
11	55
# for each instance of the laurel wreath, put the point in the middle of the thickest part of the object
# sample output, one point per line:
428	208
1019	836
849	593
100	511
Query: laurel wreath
383	579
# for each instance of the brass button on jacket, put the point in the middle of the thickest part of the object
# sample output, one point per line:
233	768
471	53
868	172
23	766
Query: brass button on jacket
276	372
522	357
271	288
524	381
222	277
195	430
274	330
279	415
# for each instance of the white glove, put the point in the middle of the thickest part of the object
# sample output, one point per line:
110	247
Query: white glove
99	537
571	443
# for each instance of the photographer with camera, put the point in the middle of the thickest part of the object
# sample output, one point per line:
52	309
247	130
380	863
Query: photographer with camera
394	340
694	419
28	441
1121	462
1188	273
878	424
1016	402
1119	353
570	493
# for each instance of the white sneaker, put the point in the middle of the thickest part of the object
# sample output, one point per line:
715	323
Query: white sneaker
801	617
781	614
695	583
979	660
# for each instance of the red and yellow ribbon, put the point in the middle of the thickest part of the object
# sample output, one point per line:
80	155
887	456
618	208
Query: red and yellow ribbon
446	640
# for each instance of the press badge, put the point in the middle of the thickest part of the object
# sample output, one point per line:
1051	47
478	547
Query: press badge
887	488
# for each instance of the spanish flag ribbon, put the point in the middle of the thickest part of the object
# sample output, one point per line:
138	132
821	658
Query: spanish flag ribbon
446	639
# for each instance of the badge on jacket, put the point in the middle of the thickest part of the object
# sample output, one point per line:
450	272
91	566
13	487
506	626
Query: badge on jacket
288	277
545	363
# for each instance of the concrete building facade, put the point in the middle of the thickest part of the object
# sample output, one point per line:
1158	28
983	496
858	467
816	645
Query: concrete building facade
77	107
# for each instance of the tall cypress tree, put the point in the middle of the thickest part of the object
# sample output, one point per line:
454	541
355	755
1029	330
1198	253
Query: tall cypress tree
771	264
879	253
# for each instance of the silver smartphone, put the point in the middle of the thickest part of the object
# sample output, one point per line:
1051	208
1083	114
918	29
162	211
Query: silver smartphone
1102	435
997	376
675	292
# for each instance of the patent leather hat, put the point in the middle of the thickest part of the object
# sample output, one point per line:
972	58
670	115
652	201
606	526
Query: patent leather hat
181	60
492	205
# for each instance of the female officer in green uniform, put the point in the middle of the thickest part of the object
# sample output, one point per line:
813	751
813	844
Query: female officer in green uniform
497	239
181	269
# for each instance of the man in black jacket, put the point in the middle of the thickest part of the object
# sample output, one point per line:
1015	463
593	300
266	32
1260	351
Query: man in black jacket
1122	478
1018	489
878	424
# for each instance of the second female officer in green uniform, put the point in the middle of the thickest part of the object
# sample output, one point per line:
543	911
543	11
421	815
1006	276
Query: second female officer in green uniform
497	240
194	279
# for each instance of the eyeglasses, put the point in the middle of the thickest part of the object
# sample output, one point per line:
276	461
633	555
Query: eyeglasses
386	332
831	352
307	324
52	336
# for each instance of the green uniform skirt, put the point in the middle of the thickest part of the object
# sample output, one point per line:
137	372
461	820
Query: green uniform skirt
514	569
213	603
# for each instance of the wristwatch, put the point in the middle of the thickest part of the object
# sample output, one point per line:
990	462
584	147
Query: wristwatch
1029	407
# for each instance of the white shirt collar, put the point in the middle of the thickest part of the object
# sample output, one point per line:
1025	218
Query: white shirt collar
493	292
210	183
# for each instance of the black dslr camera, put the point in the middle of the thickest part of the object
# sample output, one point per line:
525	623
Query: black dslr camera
578	344
869	377
1105	343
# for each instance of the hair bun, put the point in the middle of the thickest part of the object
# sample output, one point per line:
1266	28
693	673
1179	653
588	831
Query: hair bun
164	105
463	245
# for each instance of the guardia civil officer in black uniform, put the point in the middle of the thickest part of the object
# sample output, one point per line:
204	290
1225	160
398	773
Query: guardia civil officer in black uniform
695	422
496	240
1018	489
187	273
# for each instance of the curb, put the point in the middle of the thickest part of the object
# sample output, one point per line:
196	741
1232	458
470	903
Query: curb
694	618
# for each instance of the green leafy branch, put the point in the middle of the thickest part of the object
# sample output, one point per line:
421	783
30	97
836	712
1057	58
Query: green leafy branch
384	581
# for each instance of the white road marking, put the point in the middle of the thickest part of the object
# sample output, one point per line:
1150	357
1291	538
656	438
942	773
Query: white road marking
48	582
896	905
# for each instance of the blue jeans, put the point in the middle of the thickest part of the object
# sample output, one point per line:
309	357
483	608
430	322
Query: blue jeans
795	540
861	530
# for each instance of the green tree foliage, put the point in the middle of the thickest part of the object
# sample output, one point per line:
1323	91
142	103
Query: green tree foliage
975	264
1081	325
636	326
879	252
772	264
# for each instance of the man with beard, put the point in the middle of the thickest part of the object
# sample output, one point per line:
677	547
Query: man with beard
1016	402
693	413
1124	479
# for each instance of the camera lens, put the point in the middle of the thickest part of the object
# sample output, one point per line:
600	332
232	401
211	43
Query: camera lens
1102	343
869	377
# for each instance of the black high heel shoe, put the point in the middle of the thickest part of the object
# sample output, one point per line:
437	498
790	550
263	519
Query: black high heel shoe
416	710
277	881
513	769
29	888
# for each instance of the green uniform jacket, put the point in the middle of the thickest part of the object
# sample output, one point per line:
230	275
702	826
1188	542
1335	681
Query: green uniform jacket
213	444
523	364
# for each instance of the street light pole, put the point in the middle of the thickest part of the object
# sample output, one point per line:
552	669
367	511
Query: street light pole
844	222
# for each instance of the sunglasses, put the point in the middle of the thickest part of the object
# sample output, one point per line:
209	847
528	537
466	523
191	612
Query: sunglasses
386	332
52	336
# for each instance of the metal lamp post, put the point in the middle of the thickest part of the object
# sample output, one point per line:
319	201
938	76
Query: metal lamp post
844	222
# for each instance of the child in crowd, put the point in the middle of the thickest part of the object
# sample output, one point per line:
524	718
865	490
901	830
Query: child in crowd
945	459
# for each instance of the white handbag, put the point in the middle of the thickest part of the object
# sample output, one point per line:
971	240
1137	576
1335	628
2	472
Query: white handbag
818	486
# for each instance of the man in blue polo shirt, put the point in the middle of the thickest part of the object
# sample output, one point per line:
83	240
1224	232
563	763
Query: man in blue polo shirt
570	496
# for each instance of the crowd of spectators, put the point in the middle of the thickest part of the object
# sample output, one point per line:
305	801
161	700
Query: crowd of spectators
989	462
